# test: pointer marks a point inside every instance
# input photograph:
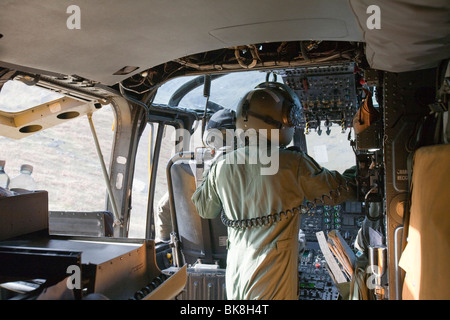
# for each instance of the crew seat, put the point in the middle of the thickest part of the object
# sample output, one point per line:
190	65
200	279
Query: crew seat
426	258
202	240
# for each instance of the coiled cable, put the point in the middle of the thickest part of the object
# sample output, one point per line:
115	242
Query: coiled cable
270	219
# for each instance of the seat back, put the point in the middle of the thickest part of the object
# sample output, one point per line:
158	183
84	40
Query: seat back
203	239
426	256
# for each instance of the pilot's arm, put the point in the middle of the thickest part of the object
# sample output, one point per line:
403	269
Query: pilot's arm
328	186
206	198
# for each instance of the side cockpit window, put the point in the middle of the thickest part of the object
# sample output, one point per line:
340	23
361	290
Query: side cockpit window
63	157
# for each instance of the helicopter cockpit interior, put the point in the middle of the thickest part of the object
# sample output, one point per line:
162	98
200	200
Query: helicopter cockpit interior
109	101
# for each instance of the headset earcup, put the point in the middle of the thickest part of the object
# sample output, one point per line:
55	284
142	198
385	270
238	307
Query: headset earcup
292	112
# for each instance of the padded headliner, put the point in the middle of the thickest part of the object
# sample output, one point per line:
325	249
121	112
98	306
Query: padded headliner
414	34
144	33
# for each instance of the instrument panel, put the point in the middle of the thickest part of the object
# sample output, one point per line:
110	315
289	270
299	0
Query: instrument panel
315	282
327	93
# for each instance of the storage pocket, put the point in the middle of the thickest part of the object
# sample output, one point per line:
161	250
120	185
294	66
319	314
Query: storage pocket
284	244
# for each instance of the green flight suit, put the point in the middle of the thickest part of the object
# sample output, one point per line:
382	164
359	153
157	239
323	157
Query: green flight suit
262	261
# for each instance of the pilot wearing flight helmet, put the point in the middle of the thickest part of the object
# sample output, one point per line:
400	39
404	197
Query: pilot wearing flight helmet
262	211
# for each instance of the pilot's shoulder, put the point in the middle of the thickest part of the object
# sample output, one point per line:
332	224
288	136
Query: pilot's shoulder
293	153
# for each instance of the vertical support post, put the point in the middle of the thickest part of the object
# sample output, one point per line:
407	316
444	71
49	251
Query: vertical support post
105	172
149	230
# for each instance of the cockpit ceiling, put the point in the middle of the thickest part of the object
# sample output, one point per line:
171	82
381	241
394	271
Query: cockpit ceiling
133	36
114	34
